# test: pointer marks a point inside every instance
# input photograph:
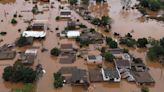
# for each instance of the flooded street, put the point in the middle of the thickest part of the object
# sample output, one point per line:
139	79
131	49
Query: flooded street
123	22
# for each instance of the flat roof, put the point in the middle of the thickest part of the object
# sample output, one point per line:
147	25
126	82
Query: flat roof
116	51
35	34
112	73
66	46
143	77
73	33
122	63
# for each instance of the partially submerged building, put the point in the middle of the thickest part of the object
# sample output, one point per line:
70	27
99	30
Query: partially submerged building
122	64
92	37
66	47
143	78
67	59
79	77
28	56
118	53
97	59
38	29
6	53
75	76
111	75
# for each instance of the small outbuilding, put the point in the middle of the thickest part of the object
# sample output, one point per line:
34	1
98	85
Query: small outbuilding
97	59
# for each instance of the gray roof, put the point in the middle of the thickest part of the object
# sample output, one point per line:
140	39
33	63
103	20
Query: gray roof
71	23
6	52
78	75
65	13
28	58
122	64
111	73
38	26
7	55
142	77
66	46
92	57
116	51
68	59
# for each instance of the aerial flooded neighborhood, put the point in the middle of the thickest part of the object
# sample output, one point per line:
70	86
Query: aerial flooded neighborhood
81	45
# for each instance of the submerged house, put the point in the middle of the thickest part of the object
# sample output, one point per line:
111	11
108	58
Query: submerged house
143	78
92	37
122	64
6	53
111	75
97	59
118	53
79	77
37	29
67	59
29	56
66	47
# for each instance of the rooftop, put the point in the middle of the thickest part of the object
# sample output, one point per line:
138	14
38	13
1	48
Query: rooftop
143	77
116	51
122	64
36	34
112	73
95	75
66	46
68	59
79	76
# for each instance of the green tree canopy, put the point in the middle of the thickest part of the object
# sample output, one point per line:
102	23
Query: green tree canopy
55	51
109	57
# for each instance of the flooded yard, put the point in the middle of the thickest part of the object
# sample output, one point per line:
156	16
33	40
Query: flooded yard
122	22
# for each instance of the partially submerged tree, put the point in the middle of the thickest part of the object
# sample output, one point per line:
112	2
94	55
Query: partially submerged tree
55	51
142	42
14	21
144	89
22	41
18	72
109	57
155	52
58	81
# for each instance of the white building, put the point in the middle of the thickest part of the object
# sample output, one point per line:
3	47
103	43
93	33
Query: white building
73	34
35	34
111	75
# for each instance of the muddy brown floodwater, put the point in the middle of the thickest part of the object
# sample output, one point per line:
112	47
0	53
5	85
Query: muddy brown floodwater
123	22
